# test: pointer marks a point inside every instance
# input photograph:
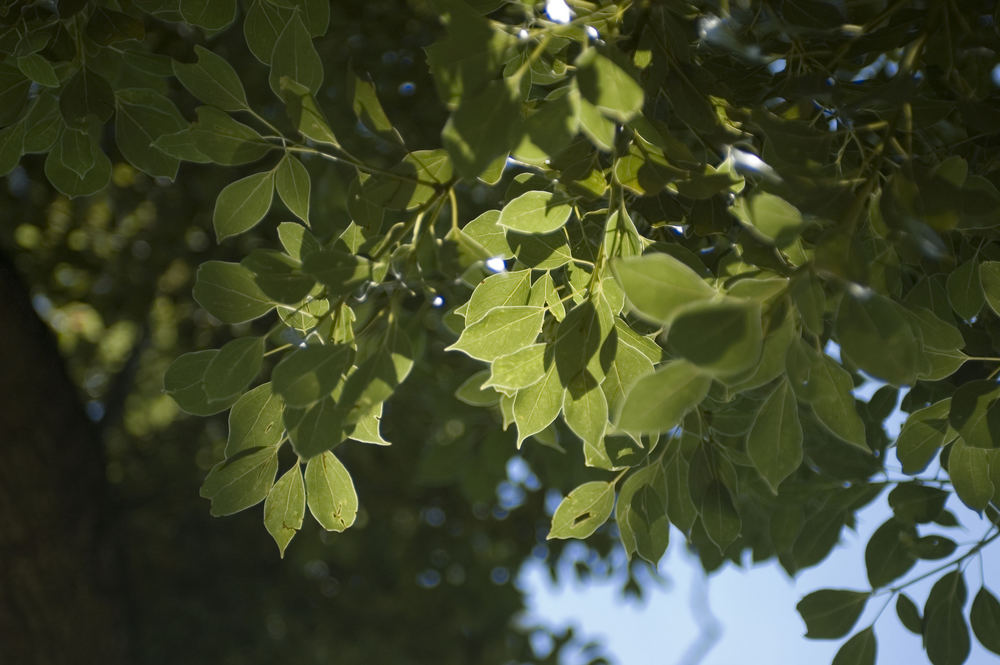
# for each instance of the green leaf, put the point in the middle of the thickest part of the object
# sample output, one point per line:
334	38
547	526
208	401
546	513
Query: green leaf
474	392
483	128
975	413
541	252
469	56
255	421
228	292
212	80
87	93
932	548
413	184
293	185
599	129
316	429
183	381
719	516
340	272
242	204
874	334
915	503
586	409
550	130
774	443
909	614
263	23
378	376
330	490
946	635
831	613
809	298
297	241
314	13
965	290
583	510
828	390
989	275
285	507
212	15
224	140
107	26
585	340
310	373
519	369
295	57
608	86
969	469
536	212
232	370
485	230
240	482
42	124
367	429
985	619
505	289
721	337
859	650
501	331
658	285
657	402
62	168
368	109
536	406
305	115
775	218
11	147
39	70
279	275
181	145
922	435
143	117
889	555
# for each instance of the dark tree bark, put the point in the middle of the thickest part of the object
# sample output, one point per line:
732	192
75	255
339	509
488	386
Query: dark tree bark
59	597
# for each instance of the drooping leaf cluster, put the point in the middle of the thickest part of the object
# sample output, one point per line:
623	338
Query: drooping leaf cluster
715	223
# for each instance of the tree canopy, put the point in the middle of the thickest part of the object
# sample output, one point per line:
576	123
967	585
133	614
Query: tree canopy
667	241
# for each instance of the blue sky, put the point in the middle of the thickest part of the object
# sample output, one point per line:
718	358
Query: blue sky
754	605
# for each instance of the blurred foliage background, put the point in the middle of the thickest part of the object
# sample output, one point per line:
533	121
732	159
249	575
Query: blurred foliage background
427	575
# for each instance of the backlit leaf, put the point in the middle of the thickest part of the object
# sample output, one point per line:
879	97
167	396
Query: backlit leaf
658	285
212	80
583	510
242	204
501	331
721	337
228	292
255	421
608	86
535	212
330	493
292	182
236	365
285	507
309	374
240	482
774	442
657	402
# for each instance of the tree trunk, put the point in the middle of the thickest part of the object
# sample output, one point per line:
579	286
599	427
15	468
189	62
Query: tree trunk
59	598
